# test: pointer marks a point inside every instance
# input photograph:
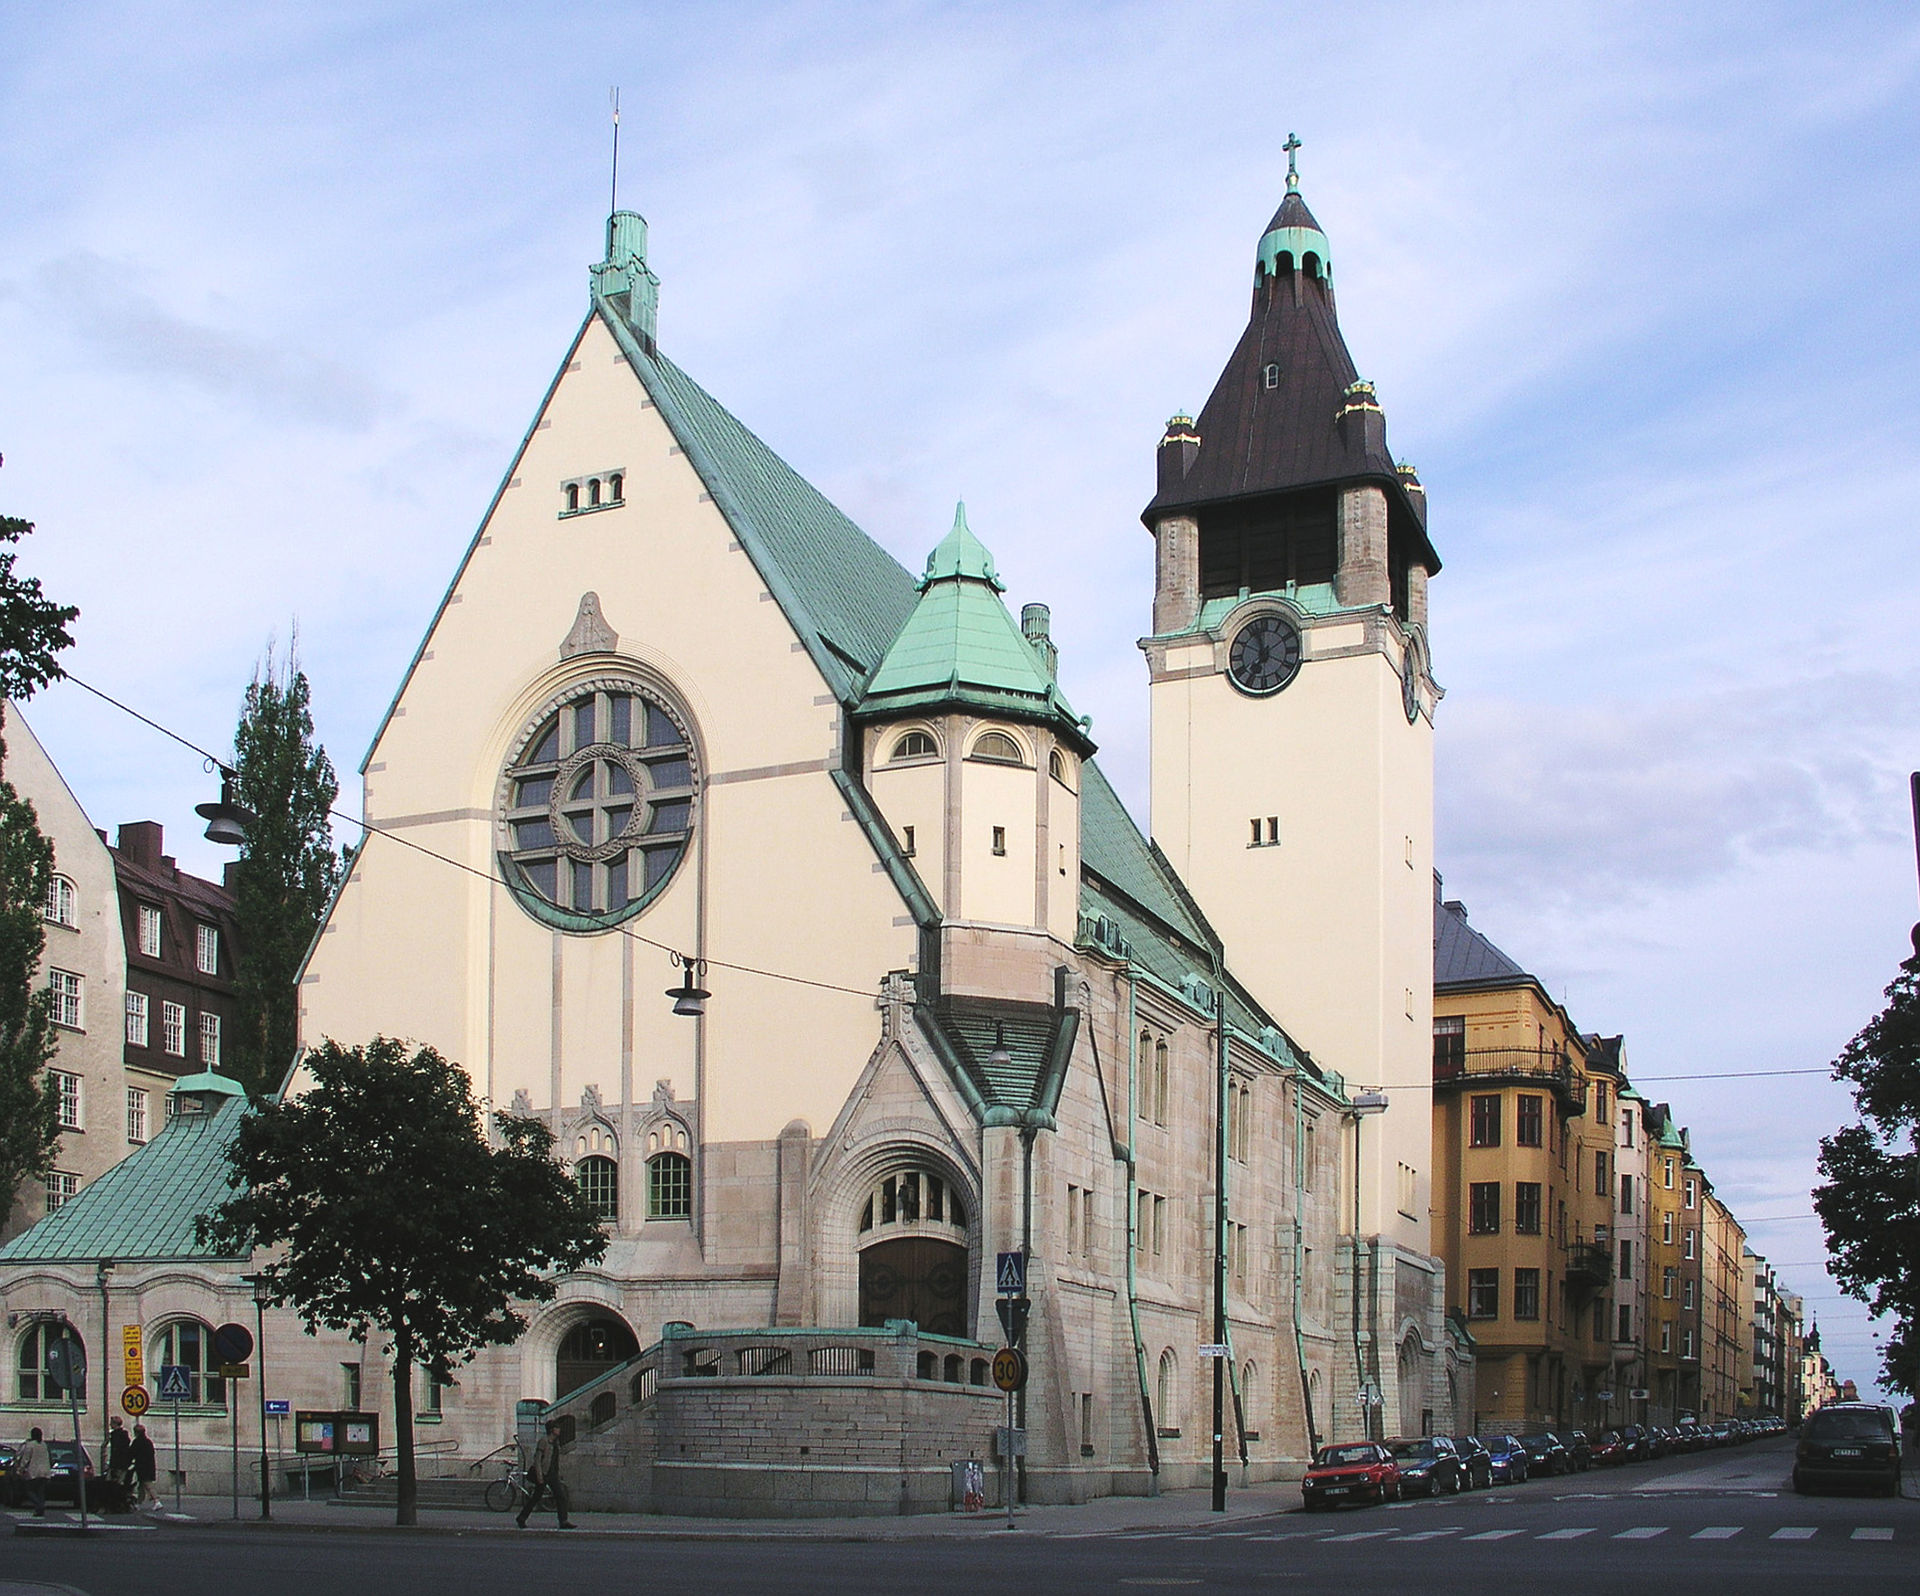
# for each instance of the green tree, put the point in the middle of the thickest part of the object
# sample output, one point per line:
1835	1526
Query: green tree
1870	1203
33	629
394	1213
287	870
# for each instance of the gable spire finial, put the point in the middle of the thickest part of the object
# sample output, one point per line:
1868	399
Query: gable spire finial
1292	147
613	197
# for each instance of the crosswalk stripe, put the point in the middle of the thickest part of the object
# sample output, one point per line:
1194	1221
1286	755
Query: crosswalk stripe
1644	1532
1564	1534
1718	1532
1495	1535
1793	1533
1873	1534
1357	1535
1432	1535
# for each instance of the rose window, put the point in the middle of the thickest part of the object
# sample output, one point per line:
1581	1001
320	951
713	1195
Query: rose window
599	807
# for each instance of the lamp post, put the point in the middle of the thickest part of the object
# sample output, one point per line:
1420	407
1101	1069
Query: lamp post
262	1284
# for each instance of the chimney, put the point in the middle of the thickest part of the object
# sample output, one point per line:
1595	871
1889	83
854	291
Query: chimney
1178	446
140	841
1035	619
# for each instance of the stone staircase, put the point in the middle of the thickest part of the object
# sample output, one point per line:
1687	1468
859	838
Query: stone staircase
462	1493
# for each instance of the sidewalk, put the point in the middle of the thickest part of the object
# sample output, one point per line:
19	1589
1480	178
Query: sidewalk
1108	1515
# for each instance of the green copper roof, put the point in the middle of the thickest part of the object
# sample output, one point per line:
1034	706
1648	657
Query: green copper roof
960	554
144	1207
210	1081
961	647
844	595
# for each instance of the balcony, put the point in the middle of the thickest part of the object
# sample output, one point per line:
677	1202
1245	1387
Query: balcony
1510	1066
1589	1267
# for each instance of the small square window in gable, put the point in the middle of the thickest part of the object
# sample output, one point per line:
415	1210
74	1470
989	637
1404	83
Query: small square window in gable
603	490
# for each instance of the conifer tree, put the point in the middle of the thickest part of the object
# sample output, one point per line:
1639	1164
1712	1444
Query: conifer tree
33	629
287	870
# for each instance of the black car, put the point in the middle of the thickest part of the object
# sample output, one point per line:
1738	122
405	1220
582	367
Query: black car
61	1486
1475	1462
1635	1444
1546	1454
1429	1466
1848	1443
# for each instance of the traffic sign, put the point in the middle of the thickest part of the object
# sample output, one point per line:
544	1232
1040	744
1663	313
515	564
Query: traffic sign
67	1365
236	1371
135	1400
176	1383
233	1343
276	1407
1012	1274
1013	1318
133	1365
1009	1369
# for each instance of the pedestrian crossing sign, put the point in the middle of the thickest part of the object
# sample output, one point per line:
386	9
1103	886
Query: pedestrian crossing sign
175	1383
1012	1273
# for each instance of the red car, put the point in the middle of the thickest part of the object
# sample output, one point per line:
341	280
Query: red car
1353	1471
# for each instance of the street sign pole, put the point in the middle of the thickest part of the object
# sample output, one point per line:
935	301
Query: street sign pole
1220	1247
76	1371
176	1454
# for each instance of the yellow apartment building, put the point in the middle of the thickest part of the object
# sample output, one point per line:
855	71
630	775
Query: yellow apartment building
1523	1189
1666	1265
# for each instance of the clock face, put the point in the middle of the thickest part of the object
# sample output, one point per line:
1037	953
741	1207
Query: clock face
1410	684
1265	656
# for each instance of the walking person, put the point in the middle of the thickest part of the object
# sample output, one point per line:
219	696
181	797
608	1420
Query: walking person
34	1464
544	1472
120	1456
145	1467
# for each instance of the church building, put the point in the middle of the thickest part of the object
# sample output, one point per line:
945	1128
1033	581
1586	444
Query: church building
784	884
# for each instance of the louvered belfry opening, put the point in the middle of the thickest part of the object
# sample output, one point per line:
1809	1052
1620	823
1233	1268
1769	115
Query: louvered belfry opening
1266	545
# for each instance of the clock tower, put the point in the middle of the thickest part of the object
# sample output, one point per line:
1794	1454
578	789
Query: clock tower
1293	711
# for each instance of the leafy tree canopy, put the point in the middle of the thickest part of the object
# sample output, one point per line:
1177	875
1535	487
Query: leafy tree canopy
32	627
1870	1202
287	870
392	1212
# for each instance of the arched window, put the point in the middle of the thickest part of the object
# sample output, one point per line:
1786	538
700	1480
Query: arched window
599	1181
589	1350
616	487
34	1384
914	745
593	493
998	748
916	1198
1249	1409
669	1186
1160	1083
1058	769
189	1343
573	495
60	902
1163	1412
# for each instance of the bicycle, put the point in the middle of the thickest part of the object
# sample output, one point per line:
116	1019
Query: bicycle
512	1488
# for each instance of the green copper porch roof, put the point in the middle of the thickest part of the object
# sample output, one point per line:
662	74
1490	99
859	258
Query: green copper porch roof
144	1207
961	648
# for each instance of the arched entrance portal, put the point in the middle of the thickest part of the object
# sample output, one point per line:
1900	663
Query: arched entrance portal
917	1278
913	1254
588	1350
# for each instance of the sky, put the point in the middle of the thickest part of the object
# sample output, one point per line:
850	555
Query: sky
281	287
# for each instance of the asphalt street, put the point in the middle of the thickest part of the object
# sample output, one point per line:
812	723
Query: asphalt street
1723	1522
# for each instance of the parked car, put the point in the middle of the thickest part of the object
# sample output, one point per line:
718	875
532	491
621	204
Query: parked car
61	1486
1475	1463
1429	1466
1633	1438
1693	1436
1352	1471
1608	1448
1546	1454
1507	1457
1848	1443
1579	1450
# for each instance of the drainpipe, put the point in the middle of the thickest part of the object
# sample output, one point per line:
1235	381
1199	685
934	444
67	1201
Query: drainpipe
101	1270
1359	1353
1133	1240
1027	1133
1299	1336
1219	1239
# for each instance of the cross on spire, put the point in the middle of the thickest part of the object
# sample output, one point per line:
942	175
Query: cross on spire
1292	146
